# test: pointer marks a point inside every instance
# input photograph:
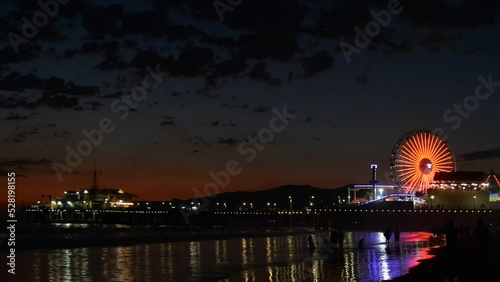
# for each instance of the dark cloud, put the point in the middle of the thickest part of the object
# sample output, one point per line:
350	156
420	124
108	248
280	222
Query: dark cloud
16	81
338	21
317	63
23	162
88	106
151	58
57	101
228	141
235	106
103	19
146	23
229	123
198	142
275	15
259	72
362	79
168	123
471	14
262	109
63	134
193	61
275	44
112	62
481	155
230	67
14	116
20	137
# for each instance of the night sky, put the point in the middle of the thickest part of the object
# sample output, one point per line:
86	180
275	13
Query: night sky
223	71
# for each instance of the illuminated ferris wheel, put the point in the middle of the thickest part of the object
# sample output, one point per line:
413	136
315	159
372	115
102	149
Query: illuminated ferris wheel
416	157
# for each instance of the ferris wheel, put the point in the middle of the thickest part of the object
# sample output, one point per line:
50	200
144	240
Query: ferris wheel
416	157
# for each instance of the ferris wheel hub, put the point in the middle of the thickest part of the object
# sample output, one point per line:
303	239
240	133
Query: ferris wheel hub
425	166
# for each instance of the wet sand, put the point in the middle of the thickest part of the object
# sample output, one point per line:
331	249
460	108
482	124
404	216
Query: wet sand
466	263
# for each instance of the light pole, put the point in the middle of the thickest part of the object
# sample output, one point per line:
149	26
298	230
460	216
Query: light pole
432	198
474	201
290	198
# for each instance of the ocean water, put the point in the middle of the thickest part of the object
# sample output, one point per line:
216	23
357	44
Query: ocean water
273	258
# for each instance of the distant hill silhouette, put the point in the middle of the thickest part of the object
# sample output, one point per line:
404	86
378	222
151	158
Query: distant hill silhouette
301	197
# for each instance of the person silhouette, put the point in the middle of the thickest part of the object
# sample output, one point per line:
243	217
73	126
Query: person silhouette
311	242
396	235
481	235
361	244
341	238
387	235
451	235
334	238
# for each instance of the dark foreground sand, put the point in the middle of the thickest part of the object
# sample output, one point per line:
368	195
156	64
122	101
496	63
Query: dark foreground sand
467	262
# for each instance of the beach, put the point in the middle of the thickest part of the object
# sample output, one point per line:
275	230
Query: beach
469	261
236	256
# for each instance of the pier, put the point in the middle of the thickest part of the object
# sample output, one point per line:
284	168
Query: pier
345	218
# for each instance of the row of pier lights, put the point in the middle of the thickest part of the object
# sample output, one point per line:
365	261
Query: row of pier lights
310	210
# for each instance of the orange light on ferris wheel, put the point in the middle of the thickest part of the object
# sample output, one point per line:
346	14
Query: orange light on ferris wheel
416	158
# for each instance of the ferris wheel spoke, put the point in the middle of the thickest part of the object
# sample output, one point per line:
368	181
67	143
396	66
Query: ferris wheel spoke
409	160
432	145
435	146
421	141
413	182
443	157
422	144
411	143
425	140
413	149
440	152
443	150
407	152
408	174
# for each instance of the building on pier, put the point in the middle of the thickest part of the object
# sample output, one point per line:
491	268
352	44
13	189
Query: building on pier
93	197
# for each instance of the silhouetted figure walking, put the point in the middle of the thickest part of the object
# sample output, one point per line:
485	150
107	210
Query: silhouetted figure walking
396	235
481	235
387	235
451	235
311	242
341	239
361	244
334	237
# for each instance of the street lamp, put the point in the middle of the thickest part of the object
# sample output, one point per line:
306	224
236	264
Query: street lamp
474	201
290	198
432	198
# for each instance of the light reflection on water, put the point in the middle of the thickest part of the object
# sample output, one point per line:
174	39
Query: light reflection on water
285	258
